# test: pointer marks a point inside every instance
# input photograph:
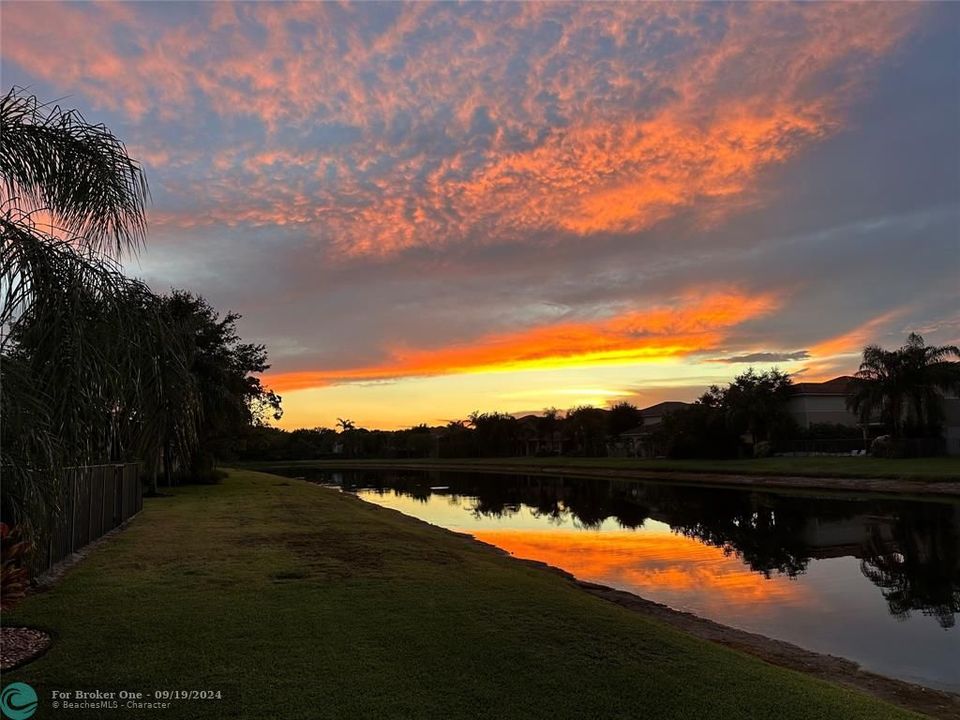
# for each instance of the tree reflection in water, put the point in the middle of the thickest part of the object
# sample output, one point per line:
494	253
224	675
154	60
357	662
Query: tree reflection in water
920	570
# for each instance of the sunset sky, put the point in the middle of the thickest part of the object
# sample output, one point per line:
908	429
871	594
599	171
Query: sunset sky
424	210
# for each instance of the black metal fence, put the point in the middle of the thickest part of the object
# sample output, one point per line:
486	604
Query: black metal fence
97	499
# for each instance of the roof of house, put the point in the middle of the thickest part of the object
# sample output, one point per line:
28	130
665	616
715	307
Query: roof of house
663	408
837	386
654	411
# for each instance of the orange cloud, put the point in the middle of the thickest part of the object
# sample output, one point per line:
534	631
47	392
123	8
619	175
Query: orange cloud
694	323
830	356
473	124
653	566
855	340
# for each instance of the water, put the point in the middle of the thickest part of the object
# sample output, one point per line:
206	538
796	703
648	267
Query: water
871	579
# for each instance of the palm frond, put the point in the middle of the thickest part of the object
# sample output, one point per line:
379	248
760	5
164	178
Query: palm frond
54	159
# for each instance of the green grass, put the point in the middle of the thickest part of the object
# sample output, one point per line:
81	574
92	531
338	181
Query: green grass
300	602
931	468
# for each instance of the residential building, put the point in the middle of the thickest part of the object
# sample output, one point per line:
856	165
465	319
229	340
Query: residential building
638	441
816	403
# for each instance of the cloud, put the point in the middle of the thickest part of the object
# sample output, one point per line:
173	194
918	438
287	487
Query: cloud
695	322
853	341
382	129
832	356
766	357
389	192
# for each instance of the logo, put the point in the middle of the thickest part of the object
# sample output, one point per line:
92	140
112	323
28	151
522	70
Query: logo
18	701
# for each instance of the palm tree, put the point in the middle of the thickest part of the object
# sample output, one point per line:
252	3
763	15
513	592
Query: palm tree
929	373
163	409
904	384
96	367
63	299
54	160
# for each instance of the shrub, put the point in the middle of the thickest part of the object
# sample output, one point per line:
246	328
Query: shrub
762	449
885	446
14	575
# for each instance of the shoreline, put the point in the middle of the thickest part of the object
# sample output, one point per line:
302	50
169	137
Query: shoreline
874	486
829	668
361	560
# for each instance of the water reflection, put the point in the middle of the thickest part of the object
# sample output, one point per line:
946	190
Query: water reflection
874	580
911	550
916	566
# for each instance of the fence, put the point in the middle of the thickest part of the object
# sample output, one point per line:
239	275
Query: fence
97	498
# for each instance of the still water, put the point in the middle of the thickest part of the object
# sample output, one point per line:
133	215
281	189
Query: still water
870	579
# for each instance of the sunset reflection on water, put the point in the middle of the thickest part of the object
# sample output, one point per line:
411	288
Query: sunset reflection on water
796	569
657	564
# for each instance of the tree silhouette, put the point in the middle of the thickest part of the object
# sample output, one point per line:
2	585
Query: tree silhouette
904	384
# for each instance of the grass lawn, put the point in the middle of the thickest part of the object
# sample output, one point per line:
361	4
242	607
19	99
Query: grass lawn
931	468
299	602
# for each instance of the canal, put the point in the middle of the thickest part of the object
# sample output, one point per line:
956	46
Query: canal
872	579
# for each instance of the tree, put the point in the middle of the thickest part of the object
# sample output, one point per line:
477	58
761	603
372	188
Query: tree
54	160
96	367
457	440
904	386
700	430
62	294
230	397
622	417
587	428
755	403
497	434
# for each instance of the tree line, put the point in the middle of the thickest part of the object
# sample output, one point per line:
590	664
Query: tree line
95	367
582	430
896	394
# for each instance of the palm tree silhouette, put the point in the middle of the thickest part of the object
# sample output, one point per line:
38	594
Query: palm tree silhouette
65	302
904	383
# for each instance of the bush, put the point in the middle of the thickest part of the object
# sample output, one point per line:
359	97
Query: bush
887	446
883	446
762	449
14	575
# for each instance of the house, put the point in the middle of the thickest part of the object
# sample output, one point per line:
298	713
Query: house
638	441
654	415
826	402
951	424
540	436
814	403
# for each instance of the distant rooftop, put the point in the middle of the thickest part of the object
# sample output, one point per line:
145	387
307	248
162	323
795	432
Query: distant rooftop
663	408
837	386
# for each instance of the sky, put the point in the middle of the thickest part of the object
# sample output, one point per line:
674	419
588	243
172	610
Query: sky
429	209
